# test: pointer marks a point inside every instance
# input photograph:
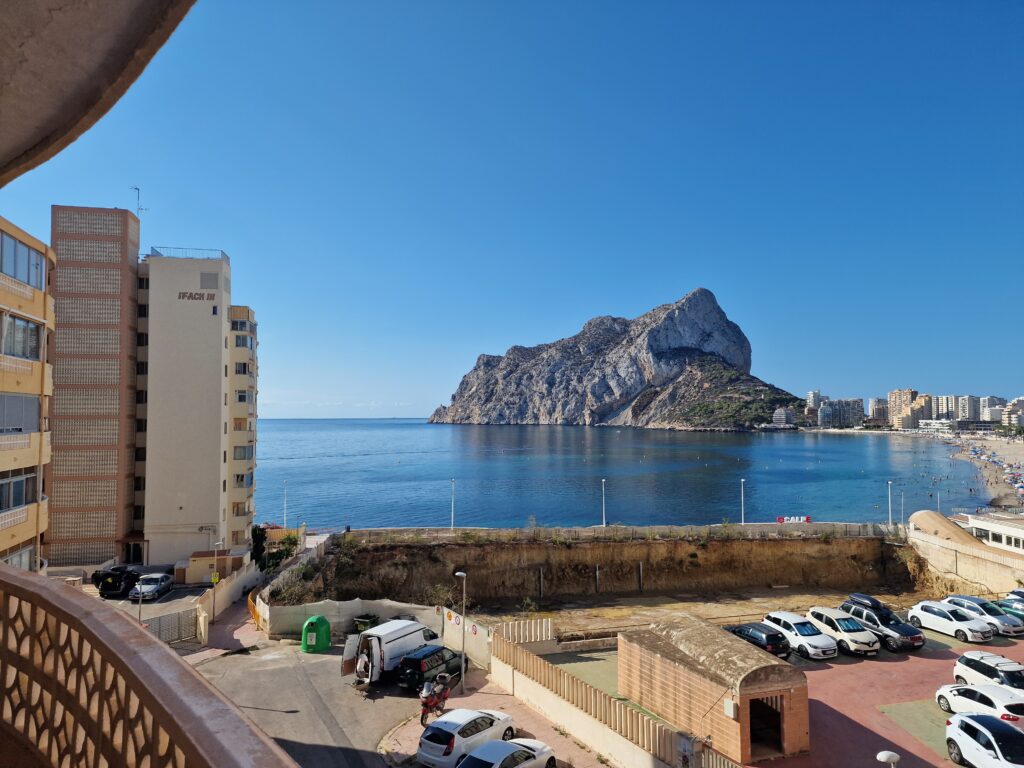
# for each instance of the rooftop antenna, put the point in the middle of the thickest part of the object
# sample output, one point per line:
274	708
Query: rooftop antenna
139	210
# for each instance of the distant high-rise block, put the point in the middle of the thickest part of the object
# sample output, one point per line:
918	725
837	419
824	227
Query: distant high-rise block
968	408
900	402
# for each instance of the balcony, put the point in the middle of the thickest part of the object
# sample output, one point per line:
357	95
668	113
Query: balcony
25	377
24	449
19	525
86	685
26	300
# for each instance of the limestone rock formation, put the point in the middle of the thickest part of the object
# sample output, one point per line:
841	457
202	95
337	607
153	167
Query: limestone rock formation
683	365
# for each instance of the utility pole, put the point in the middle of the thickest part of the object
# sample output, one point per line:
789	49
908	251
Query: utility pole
890	503
743	509
139	210
453	504
462	675
604	517
286	505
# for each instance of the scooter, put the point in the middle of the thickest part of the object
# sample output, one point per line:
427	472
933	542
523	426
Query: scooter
433	696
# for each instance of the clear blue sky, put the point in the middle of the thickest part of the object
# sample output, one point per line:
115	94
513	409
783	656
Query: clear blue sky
402	186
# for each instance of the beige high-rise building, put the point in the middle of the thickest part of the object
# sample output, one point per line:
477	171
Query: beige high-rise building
91	479
900	402
196	405
26	383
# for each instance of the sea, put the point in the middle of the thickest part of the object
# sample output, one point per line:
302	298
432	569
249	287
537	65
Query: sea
368	473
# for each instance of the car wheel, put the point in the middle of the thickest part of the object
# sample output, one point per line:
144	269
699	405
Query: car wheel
961	636
943	703
844	647
892	644
803	652
959	680
954	752
916	622
551	763
508	734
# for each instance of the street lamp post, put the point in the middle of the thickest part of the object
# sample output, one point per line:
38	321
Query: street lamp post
604	517
462	675
743	508
453	503
213	615
901	508
890	502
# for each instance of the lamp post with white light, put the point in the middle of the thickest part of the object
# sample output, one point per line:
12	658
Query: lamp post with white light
743	509
890	502
462	675
604	517
453	503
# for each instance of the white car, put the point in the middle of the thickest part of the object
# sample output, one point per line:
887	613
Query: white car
849	634
457	733
805	638
1001	622
949	620
984	668
982	699
522	753
983	741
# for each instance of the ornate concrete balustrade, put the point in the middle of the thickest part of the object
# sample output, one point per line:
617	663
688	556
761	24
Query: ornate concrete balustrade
82	685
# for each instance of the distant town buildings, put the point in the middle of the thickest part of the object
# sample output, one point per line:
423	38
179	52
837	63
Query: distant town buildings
878	409
783	417
836	414
944	407
900	402
968	408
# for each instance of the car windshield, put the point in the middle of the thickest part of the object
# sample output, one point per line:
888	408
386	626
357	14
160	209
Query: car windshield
806	629
149	581
436	735
1011	745
849	625
1013	678
957	615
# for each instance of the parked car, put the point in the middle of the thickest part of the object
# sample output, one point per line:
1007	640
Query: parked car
848	633
949	620
118	583
983	741
808	641
983	699
152	586
984	668
991	614
764	636
453	735
102	573
522	753
893	633
424	664
1011	607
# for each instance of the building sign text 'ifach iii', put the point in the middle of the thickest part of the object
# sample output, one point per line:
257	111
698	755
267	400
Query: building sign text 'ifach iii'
196	296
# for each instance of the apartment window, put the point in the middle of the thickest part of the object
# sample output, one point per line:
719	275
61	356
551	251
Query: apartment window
239	481
139	513
140	454
240	425
225	461
143	283
19	414
143	310
24	264
997	537
243	341
18	488
241	368
22	338
243	452
238	509
140	483
140	425
215	309
240	325
243	396
141	396
224	485
142	339
142	368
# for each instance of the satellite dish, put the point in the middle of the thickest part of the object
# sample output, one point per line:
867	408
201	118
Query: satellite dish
887	757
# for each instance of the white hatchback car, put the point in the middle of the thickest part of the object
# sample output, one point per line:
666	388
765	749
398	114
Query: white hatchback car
457	733
849	634
983	699
804	638
521	753
983	741
949	620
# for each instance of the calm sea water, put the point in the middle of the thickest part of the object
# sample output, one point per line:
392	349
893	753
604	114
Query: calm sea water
384	472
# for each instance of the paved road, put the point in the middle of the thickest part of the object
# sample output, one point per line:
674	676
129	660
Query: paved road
178	599
304	704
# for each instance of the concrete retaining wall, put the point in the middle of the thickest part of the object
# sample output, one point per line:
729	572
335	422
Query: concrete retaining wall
287	620
983	571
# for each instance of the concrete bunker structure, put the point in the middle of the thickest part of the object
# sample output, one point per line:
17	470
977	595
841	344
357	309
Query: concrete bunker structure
744	702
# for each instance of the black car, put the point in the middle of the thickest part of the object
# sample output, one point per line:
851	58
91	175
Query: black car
425	663
763	636
98	576
118	583
892	632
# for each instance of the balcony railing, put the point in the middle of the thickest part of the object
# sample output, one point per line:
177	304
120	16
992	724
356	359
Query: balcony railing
16	286
16	441
13	517
87	686
14	364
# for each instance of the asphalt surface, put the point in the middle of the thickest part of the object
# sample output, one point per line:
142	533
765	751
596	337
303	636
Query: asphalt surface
178	599
302	702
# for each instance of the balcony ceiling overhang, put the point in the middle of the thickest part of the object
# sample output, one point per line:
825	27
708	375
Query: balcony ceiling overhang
63	64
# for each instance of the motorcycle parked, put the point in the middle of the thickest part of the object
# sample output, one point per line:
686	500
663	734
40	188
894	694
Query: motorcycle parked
434	696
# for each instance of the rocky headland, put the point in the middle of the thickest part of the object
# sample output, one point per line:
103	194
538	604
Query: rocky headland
680	366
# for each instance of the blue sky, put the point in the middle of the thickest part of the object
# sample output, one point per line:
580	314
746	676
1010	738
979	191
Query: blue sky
402	186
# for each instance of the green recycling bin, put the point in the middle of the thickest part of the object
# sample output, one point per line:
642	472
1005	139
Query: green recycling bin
316	635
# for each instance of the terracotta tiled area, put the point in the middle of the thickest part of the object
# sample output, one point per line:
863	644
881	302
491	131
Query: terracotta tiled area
399	747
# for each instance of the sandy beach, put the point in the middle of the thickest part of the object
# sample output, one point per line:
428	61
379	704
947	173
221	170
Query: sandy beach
1009	451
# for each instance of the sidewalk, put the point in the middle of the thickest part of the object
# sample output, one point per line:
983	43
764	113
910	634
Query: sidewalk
233	631
399	746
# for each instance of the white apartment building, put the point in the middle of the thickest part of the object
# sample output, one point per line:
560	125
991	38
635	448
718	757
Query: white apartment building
992	413
991	401
814	398
186	396
1000	530
944	407
968	408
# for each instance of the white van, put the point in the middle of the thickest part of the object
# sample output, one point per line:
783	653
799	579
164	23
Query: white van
381	648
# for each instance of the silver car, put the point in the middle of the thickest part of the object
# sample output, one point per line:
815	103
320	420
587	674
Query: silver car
985	610
152	586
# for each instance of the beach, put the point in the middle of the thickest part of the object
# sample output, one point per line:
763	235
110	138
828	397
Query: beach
993	455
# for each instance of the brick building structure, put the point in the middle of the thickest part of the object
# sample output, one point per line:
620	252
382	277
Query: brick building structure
747	704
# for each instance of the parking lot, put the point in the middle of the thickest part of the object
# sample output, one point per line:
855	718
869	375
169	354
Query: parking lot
178	599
